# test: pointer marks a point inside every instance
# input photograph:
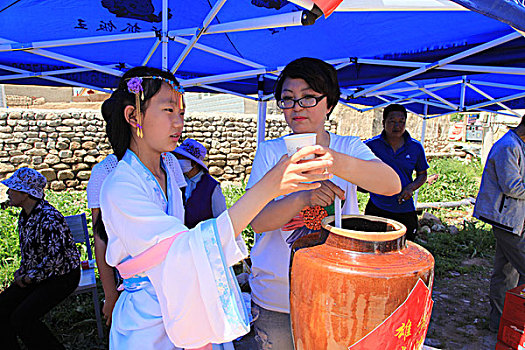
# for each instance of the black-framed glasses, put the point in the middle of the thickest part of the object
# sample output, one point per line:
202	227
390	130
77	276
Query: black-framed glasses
304	102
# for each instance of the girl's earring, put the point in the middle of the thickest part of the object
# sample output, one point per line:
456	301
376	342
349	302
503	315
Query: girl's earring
139	131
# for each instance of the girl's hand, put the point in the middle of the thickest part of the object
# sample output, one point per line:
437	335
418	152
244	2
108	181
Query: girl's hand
292	174
321	153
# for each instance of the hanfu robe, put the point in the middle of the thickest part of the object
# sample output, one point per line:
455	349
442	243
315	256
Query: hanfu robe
188	300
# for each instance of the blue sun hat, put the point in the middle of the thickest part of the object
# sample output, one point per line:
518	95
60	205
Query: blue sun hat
193	150
28	181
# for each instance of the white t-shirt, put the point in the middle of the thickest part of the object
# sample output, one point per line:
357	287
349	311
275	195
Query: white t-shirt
98	174
271	254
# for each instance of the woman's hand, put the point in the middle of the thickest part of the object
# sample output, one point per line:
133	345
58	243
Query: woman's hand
325	195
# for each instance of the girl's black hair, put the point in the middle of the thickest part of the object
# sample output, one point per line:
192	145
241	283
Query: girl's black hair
118	129
319	75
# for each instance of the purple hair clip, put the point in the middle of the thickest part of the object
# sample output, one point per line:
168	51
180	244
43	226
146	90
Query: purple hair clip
135	85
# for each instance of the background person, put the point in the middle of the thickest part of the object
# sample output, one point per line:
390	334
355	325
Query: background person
307	91
395	147
203	198
108	275
501	203
49	265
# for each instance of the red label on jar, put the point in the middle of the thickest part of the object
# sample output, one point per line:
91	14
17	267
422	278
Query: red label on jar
406	327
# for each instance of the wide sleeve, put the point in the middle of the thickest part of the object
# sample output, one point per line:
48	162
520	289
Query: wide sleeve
134	221
199	296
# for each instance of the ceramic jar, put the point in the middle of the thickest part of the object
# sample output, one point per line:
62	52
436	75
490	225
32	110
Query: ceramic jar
354	279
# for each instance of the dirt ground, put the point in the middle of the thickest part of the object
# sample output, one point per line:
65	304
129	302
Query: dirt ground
460	315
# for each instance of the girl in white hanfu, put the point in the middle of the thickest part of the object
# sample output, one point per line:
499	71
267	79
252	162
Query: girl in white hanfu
179	289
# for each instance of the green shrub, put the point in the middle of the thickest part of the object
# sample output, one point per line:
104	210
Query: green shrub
232	193
9	251
475	239
457	180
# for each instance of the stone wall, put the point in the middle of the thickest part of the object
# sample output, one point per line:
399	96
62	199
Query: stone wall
64	145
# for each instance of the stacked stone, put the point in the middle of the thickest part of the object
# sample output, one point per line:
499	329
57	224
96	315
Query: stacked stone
232	141
65	145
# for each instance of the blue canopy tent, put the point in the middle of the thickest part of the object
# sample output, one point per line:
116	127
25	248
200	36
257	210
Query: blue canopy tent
436	58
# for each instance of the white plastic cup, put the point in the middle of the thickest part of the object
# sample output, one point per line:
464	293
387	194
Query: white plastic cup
297	141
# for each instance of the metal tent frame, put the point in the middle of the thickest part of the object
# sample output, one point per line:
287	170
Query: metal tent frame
407	88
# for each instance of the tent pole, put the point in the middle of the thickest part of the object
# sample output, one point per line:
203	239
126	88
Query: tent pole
502	99
164	35
219	53
211	15
226	77
150	53
71	60
261	112
3	101
505	86
58	80
423	130
453	67
214	88
47	73
414	86
463	93
440	63
483	93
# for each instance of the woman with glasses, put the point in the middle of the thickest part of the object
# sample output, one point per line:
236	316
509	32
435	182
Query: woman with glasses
307	91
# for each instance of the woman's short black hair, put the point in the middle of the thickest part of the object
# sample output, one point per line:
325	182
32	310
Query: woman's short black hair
117	128
319	75
394	108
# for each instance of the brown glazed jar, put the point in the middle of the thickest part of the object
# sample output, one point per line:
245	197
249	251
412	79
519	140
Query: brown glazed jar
343	289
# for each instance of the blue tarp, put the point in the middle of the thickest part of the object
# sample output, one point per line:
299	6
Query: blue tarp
409	36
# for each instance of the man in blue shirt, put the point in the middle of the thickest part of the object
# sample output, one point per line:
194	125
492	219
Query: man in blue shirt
395	147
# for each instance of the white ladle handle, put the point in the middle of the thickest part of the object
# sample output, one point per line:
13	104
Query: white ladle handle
337	210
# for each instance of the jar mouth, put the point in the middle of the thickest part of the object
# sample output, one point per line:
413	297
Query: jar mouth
393	230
